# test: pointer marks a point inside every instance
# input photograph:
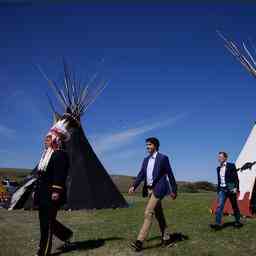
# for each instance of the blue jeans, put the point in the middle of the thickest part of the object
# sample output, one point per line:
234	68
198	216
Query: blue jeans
223	195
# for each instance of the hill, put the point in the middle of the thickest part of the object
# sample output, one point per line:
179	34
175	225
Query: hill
122	182
14	173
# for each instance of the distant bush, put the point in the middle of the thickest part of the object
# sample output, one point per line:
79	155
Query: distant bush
195	187
187	188
205	185
17	175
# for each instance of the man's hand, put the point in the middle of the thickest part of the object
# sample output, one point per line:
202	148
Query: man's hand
173	196
131	190
234	190
55	196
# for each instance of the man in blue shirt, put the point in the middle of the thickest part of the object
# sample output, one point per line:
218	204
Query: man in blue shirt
159	182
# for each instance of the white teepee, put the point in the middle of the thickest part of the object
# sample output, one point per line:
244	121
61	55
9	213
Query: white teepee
246	166
246	161
246	170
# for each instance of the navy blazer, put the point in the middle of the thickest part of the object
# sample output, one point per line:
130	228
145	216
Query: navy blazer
162	169
53	179
231	176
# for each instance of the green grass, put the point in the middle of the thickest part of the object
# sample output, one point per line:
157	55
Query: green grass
107	232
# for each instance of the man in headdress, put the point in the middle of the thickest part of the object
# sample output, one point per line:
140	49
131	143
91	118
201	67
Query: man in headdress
50	191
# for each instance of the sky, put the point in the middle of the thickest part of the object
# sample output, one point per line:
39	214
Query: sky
169	76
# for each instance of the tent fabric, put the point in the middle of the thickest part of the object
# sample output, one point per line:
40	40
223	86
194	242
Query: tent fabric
89	185
246	165
244	206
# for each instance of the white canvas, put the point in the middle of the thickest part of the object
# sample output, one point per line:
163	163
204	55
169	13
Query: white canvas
247	155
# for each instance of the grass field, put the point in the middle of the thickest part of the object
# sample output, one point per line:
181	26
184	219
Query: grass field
107	232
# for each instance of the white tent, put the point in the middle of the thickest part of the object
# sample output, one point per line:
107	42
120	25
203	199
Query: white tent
246	161
246	165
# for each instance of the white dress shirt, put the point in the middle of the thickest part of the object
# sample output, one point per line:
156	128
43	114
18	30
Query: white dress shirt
222	174
150	168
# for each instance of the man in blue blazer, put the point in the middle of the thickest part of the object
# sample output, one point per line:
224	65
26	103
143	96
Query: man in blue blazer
159	182
228	186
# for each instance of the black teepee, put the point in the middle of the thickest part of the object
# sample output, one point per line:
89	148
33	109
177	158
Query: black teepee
89	185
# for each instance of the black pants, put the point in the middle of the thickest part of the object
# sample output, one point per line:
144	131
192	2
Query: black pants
49	226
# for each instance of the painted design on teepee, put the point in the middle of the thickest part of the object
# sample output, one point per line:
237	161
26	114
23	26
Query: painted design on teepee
247	169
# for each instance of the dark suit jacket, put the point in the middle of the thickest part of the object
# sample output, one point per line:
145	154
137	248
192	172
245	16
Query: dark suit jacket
162	170
53	179
231	177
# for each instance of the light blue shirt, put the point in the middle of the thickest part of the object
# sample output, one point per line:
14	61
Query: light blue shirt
150	168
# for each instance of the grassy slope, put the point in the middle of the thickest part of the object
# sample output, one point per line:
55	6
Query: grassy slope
107	232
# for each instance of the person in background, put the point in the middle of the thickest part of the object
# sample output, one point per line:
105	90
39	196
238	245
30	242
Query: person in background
159	182
228	186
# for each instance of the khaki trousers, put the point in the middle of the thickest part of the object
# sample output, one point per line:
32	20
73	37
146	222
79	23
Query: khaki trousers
153	208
